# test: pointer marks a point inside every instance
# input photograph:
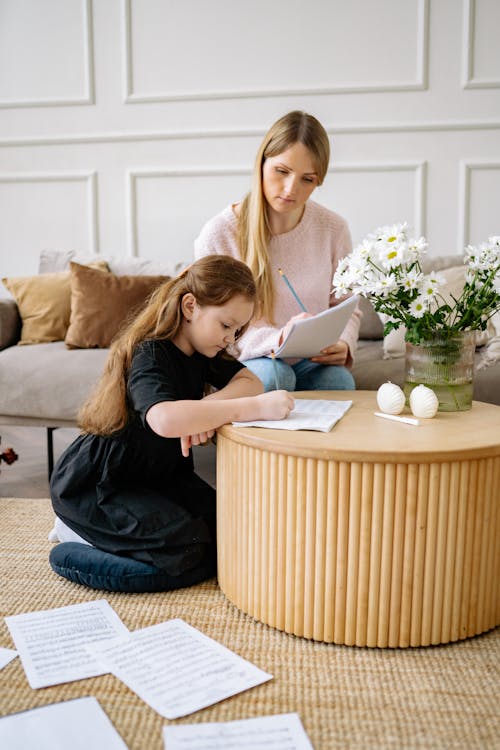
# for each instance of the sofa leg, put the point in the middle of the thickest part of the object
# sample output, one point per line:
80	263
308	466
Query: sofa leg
50	449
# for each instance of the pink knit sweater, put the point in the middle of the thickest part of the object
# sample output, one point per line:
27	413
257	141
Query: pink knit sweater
308	255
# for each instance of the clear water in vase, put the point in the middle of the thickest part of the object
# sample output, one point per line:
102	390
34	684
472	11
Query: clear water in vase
445	364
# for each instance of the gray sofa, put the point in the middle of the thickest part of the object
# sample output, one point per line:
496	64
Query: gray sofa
43	385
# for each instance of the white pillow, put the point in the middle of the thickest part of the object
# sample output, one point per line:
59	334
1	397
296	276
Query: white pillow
394	342
58	260
492	352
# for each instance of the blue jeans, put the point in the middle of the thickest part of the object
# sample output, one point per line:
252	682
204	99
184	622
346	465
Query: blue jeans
302	376
89	566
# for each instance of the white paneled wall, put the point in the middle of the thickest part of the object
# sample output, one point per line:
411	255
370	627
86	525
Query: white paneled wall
125	124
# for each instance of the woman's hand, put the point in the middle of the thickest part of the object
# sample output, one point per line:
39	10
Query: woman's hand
335	354
187	441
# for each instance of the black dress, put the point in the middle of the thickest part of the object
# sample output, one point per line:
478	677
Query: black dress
133	493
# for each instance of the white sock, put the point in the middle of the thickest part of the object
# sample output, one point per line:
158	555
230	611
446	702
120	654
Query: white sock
62	533
52	536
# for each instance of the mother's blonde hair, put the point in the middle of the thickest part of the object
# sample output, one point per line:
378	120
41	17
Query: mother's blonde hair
213	280
254	232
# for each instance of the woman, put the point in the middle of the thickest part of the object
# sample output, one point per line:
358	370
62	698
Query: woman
277	226
130	512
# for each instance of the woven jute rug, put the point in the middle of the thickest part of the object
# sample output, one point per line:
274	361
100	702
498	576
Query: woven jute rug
347	697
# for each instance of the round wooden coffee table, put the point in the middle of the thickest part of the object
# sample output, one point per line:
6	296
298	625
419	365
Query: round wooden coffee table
374	534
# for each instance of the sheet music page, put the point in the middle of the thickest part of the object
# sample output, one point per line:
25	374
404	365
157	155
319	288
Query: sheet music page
78	724
6	655
51	642
307	414
176	669
280	732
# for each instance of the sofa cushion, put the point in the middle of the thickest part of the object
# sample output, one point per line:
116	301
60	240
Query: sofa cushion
59	260
370	369
47	381
102	302
371	327
43	302
10	323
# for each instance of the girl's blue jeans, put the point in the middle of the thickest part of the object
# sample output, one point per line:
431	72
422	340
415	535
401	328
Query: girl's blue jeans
302	376
89	566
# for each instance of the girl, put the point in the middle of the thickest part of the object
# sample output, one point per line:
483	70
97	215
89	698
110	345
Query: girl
277	226
131	512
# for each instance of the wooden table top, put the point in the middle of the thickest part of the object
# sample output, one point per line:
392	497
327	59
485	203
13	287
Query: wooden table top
361	436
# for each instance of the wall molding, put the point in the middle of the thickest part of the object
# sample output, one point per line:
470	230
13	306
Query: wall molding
420	175
221	133
420	83
469	81
466	168
88	67
133	175
90	180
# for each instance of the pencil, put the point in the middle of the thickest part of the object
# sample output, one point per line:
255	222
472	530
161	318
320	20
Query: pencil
275	368
292	290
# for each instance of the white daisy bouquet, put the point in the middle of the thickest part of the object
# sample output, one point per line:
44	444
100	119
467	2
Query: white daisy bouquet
387	269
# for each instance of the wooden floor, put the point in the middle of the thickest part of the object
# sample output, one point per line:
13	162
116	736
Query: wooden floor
27	477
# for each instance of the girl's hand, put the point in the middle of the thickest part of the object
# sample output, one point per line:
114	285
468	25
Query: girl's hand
187	441
274	405
335	354
286	329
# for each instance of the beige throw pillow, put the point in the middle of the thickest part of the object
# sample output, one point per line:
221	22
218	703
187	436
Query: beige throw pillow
44	303
102	302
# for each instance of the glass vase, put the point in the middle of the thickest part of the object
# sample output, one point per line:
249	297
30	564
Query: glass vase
445	364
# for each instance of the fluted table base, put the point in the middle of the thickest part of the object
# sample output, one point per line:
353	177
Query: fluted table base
360	553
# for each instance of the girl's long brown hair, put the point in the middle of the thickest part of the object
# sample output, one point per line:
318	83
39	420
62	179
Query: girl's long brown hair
213	280
253	227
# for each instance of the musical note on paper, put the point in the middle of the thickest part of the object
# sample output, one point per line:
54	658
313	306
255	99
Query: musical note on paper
51	642
176	669
280	732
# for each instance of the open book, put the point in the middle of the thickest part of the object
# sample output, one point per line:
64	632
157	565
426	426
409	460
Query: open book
309	335
307	414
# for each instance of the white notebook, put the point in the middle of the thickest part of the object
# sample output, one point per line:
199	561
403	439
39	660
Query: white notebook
309	335
307	414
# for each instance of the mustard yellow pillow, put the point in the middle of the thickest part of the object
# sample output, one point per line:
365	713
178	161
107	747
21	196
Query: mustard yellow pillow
102	302
44	303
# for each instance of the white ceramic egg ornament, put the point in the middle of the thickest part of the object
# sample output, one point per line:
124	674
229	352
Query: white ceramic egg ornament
423	402
390	398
